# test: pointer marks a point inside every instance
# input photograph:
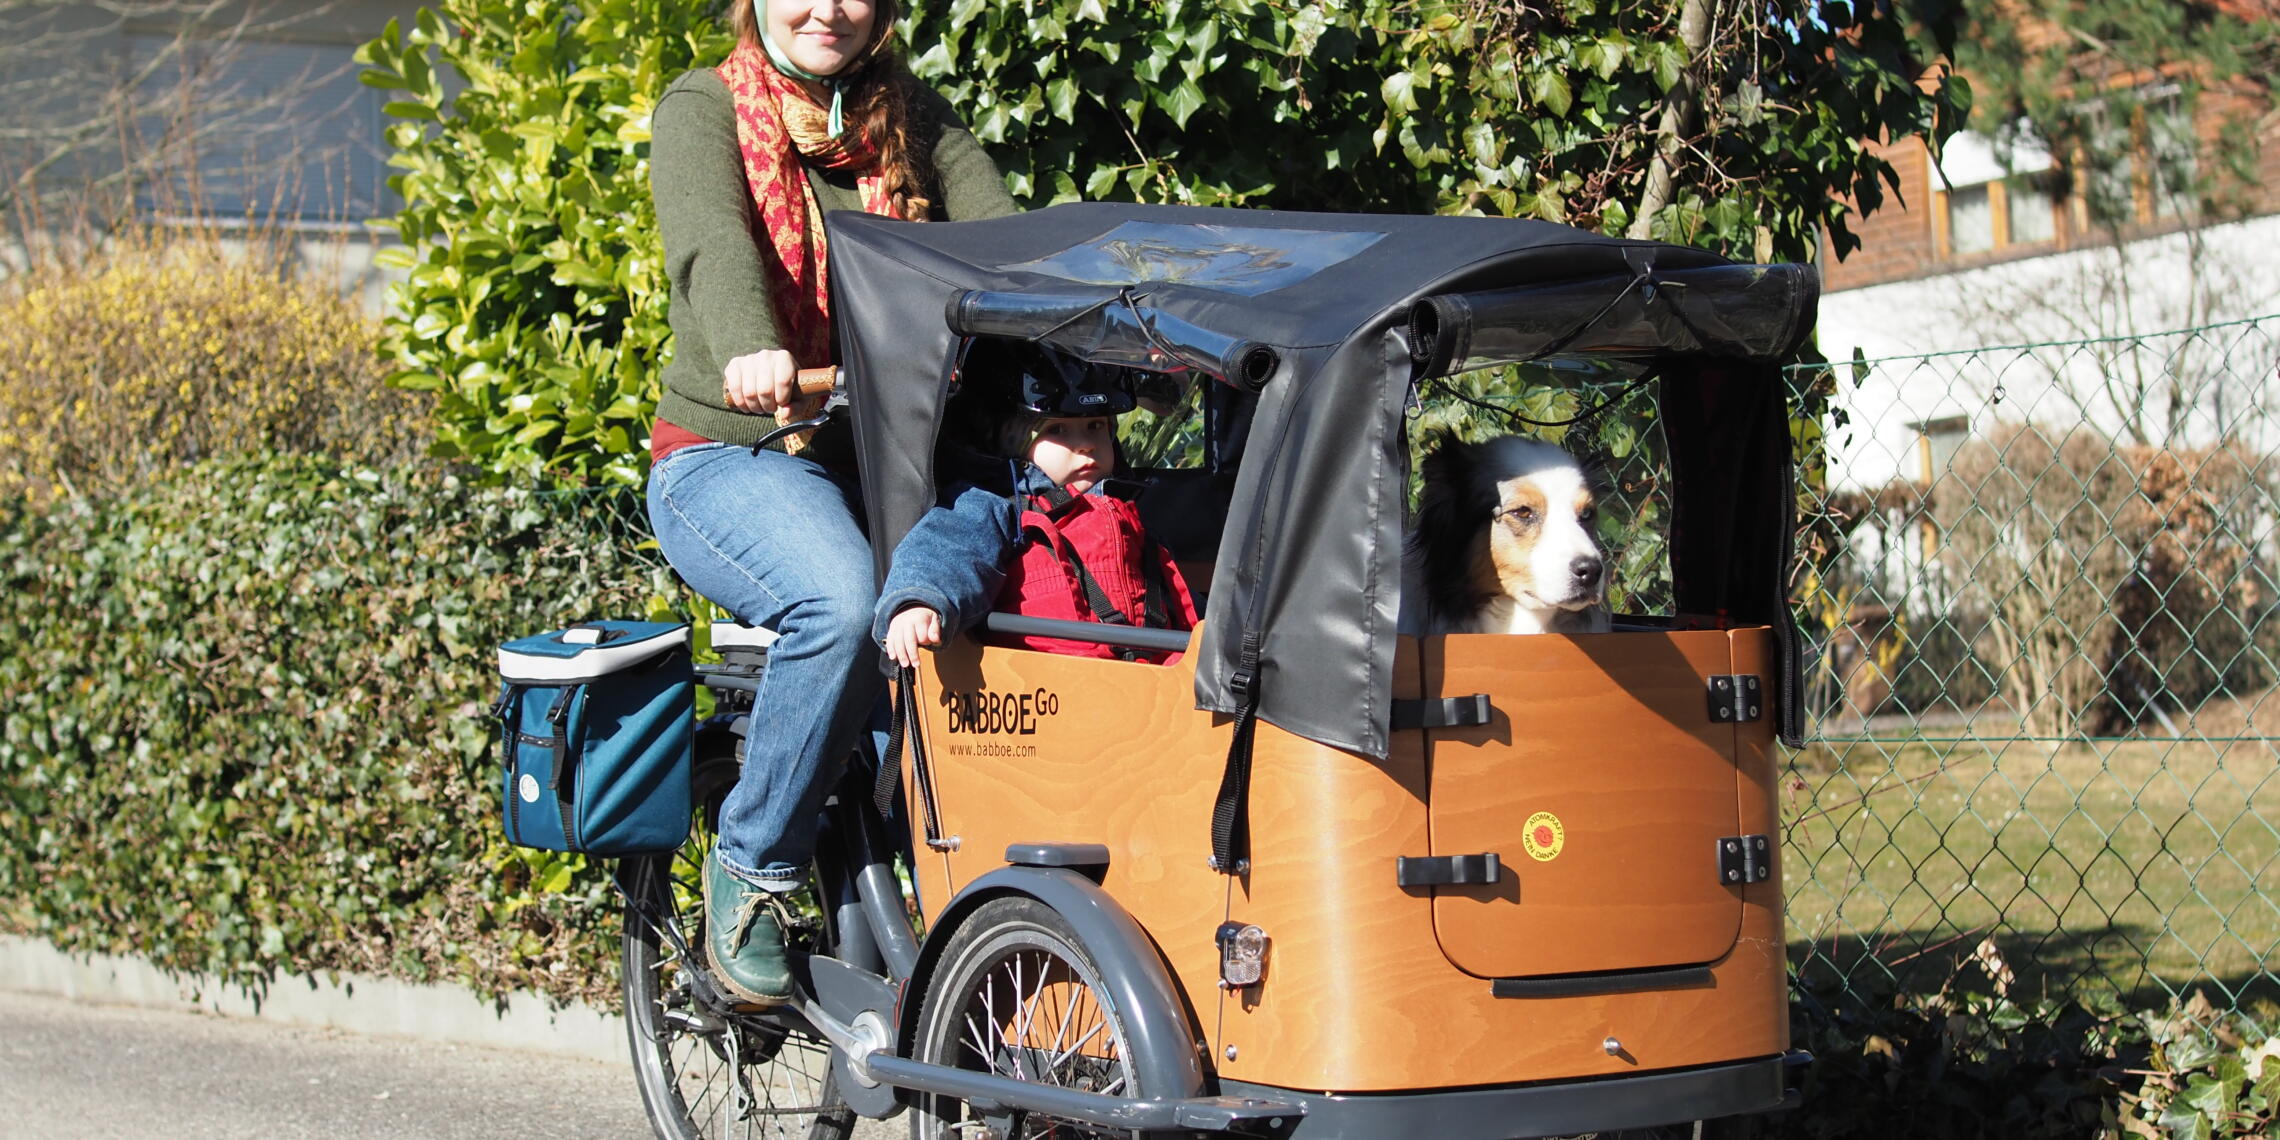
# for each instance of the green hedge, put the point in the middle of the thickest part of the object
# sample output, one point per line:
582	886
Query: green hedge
244	733
244	728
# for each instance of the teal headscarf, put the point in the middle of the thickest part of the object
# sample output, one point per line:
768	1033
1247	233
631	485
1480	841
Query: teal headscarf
784	64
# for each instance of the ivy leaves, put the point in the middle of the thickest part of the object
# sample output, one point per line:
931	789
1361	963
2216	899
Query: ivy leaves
1512	108
535	305
311	787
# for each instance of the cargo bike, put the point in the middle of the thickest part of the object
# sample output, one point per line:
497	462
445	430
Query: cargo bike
1317	877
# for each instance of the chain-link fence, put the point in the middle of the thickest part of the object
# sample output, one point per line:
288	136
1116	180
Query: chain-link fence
2043	583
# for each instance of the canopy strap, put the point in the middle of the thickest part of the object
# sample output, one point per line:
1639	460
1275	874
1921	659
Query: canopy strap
902	728
1231	814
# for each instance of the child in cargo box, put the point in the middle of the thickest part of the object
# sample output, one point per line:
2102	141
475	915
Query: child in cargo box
1066	543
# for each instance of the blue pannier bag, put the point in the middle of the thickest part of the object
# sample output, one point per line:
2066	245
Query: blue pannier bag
595	723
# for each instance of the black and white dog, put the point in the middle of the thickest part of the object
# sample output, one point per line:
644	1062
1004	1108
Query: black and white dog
1505	542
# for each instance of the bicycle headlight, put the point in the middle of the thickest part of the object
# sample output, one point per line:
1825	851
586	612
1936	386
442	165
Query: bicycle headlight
1242	954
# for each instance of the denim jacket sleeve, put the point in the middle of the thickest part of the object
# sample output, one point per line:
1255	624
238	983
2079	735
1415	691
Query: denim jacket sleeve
952	562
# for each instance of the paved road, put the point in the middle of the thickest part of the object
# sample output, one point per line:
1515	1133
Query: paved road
69	1071
78	1072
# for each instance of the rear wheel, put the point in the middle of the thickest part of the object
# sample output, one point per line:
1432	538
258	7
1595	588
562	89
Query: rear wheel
711	1071
1016	995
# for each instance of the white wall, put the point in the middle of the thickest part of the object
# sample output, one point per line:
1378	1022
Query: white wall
2185	390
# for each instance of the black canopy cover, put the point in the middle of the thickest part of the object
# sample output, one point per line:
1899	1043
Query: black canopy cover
1332	318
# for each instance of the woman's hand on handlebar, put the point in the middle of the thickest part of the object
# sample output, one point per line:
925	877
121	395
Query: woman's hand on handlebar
760	382
911	627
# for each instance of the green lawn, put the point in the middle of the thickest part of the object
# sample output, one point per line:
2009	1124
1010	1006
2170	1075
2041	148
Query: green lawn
2133	865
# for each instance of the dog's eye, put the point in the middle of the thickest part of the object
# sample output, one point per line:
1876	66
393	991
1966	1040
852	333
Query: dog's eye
1524	514
1587	514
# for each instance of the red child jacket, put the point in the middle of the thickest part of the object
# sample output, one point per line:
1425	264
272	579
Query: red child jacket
1070	538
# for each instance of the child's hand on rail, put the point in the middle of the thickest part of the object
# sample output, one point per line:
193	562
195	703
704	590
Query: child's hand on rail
911	627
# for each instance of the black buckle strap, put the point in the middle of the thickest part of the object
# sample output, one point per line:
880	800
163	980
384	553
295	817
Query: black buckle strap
1158	594
509	733
1104	610
1231	812
887	787
563	779
903	732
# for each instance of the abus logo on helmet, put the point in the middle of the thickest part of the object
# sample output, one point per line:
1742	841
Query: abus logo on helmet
984	711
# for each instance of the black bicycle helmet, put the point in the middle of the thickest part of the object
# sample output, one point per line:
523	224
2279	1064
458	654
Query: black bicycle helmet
1046	381
1005	390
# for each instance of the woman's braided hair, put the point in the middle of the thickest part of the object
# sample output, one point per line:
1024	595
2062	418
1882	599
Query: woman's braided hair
881	101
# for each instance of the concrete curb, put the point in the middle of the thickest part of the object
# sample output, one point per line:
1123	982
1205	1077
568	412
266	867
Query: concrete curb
353	1002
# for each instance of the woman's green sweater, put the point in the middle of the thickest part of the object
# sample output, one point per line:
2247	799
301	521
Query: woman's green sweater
720	303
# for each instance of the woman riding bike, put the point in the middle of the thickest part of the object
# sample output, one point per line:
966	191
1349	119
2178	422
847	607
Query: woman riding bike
814	111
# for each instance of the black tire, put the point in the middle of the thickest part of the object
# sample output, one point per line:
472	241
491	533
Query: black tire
1015	994
711	1073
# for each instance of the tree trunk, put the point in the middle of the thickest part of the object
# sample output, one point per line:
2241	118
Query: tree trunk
1680	114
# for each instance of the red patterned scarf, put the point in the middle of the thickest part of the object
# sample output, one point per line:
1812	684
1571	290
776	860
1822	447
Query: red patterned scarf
776	126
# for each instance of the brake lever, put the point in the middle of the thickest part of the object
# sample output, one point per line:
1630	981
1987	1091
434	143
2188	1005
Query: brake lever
809	382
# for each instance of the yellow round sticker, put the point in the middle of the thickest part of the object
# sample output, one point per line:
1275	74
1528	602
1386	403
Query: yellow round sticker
1543	837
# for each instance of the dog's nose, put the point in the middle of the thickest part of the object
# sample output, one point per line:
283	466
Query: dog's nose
1586	570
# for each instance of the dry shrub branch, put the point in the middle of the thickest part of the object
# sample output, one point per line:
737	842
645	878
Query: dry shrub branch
173	346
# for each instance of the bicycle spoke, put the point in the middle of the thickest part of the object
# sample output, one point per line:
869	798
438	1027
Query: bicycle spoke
1031	1011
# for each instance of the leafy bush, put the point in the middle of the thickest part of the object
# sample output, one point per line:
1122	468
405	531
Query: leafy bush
535	304
535	299
2207	1074
1964	1063
2188	612
244	723
165	348
1514	108
2026	512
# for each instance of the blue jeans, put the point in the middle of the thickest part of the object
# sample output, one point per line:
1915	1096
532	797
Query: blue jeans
774	540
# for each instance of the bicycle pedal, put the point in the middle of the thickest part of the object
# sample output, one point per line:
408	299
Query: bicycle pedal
693	1021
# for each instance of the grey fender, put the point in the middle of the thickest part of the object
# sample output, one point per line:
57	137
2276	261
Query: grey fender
1132	972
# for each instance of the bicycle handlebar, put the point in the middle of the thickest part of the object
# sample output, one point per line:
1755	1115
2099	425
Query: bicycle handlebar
816	381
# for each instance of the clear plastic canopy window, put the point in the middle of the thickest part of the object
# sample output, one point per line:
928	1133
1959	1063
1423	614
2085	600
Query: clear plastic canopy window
1228	259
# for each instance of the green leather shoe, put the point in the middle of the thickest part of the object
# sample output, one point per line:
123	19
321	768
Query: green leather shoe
744	937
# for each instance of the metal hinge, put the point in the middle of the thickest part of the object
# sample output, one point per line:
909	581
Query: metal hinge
1745	859
1446	870
1736	699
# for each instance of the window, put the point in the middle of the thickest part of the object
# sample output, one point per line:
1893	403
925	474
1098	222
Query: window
2033	213
2171	146
1971	219
250	127
2140	157
1996	193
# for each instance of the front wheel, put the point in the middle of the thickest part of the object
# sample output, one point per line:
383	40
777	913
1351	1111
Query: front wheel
711	1072
1015	994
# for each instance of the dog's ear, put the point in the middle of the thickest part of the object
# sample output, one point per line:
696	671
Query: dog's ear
1598	467
1448	479
1447	462
1451	511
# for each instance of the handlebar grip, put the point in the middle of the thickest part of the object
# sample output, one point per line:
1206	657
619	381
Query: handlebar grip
817	381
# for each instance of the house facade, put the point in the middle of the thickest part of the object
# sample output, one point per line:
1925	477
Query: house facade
2078	264
238	114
